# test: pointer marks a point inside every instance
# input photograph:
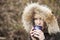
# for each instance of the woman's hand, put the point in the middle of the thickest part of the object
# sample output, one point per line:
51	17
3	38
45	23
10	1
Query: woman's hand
37	33
31	33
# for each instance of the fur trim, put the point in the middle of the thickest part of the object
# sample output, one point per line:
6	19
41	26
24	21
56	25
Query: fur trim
44	12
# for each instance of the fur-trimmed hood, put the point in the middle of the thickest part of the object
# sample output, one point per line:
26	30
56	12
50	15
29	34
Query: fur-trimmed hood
44	12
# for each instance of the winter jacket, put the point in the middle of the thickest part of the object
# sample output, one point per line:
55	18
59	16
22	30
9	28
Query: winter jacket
45	12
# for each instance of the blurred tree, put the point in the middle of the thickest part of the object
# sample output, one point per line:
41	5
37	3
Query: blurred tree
10	19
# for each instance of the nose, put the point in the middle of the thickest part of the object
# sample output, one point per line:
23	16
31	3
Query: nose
39	21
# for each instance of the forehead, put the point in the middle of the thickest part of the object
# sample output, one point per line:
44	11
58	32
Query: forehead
38	16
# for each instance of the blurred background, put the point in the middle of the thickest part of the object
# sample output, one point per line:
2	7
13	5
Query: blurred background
10	17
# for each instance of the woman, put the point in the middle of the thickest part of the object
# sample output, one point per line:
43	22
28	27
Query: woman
35	14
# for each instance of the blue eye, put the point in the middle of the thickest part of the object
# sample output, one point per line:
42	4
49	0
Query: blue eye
40	18
35	18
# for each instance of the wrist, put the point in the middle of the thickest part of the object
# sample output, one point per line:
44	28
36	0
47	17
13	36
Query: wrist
41	39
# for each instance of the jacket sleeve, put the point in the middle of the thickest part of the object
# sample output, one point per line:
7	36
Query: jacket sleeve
57	36
53	37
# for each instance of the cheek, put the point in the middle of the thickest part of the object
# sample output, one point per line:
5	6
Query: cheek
42	22
36	22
